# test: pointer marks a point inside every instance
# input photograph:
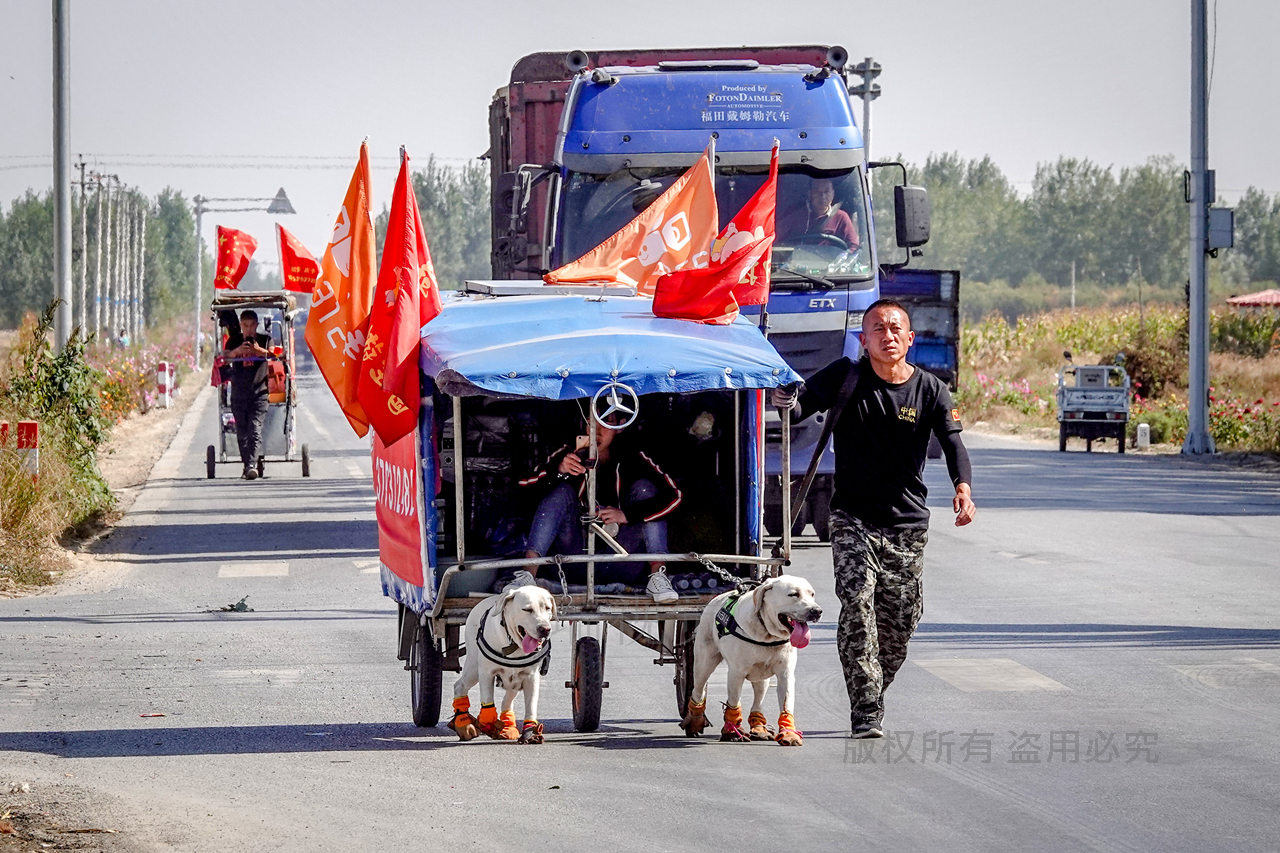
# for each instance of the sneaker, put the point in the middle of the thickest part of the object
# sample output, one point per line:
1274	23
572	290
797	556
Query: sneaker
659	586
864	730
521	578
249	474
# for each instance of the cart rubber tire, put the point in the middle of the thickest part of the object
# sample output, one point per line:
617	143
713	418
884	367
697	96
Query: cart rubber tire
685	630
1062	437
820	515
262	466
425	677
210	462
588	685
306	461
773	520
1120	437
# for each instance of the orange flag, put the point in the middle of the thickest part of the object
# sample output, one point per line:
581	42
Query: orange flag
235	248
339	317
675	232
739	270
406	298
298	267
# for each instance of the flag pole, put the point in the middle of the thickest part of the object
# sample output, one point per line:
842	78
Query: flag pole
764	309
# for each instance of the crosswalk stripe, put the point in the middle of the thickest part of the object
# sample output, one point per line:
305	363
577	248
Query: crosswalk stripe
1242	672
977	675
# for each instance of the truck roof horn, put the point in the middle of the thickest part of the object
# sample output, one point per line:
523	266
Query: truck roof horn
577	61
837	56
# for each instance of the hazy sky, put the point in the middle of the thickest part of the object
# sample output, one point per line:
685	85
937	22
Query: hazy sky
241	97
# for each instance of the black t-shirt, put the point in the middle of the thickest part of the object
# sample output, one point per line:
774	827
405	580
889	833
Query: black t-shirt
248	375
882	440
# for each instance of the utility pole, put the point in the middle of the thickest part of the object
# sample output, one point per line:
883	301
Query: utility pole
1199	197
868	90
139	320
109	185
84	248
97	275
61	171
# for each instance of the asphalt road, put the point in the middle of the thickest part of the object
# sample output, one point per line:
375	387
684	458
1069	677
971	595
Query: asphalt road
1098	669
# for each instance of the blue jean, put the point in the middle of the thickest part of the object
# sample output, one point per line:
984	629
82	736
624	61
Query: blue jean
557	522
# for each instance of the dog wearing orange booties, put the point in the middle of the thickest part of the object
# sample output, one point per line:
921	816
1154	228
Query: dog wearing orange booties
507	638
756	632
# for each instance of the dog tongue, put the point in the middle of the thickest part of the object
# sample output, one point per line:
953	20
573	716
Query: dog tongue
800	634
530	644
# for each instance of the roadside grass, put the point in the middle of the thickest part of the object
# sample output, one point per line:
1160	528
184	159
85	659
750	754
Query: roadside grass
76	395
1009	371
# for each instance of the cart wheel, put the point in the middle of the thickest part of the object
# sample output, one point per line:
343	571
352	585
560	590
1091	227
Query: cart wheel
1120	431
684	664
262	466
424	679
588	685
820	515
210	463
1062	437
306	461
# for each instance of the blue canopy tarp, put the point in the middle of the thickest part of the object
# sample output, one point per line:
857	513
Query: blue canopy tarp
563	347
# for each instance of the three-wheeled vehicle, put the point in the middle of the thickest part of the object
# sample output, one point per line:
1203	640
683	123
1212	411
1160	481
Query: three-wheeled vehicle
509	371
1092	402
276	311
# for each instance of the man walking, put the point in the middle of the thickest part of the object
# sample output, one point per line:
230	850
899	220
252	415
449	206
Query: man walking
248	356
879	518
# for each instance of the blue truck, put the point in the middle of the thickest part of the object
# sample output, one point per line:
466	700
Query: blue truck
581	142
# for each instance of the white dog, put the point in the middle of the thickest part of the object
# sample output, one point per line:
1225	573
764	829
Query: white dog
757	633
506	638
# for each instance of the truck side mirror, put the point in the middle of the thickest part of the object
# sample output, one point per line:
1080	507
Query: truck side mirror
911	215
511	201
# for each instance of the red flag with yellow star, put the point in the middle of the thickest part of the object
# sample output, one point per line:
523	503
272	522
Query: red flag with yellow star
235	248
739	270
298	268
405	299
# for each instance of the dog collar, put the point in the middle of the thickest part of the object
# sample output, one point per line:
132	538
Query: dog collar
504	657
727	623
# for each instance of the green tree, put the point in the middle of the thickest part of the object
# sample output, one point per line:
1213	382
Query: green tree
1066	213
1257	239
1147	237
170	257
26	245
454	205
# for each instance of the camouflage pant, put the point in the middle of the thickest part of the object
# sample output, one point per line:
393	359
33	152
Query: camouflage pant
878	583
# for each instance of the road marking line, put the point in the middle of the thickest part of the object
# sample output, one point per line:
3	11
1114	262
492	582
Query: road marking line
264	569
1243	672
259	676
976	675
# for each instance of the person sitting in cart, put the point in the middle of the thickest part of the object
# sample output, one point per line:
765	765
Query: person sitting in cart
632	492
247	355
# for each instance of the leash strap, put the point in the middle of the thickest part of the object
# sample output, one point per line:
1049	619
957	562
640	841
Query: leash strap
727	623
499	658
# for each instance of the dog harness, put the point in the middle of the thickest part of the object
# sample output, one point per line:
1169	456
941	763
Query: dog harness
505	656
727	623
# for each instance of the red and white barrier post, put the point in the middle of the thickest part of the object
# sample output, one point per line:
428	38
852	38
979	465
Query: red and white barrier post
164	383
29	446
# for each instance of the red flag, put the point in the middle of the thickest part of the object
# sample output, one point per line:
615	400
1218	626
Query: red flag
406	297
298	267
739	270
235	248
339	317
672	233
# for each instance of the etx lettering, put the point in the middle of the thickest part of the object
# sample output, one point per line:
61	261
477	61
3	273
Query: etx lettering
822	303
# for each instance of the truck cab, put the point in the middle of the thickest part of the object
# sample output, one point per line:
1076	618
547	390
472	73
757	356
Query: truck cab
1092	403
580	143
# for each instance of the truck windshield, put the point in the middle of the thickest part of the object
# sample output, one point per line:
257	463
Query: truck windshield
821	220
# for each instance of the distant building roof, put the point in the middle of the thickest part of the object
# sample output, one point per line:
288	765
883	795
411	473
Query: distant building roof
1263	298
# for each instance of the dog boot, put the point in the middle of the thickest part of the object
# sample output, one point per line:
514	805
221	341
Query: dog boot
488	721
787	733
463	723
732	729
759	726
532	732
695	719
508	730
